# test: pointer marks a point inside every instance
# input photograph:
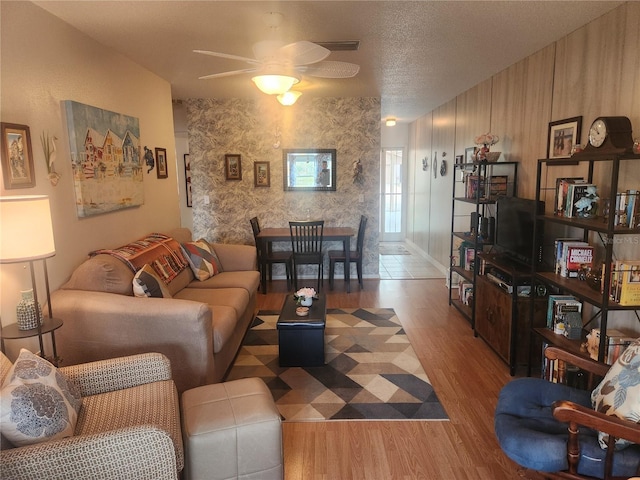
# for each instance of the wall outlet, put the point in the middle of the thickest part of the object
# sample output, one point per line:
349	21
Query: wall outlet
361	198
206	200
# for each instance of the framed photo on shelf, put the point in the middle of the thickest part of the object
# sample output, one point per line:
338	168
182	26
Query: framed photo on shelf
261	174
17	156
233	167
563	136
161	163
187	179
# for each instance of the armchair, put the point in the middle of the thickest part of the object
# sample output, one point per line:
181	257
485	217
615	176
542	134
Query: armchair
552	427
128	425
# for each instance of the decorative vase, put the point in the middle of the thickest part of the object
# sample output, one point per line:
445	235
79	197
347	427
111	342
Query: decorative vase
306	301
26	312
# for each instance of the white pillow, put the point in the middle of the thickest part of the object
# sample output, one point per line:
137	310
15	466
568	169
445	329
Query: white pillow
619	392
37	402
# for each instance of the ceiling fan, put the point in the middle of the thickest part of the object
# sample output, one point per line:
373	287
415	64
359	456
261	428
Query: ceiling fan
275	60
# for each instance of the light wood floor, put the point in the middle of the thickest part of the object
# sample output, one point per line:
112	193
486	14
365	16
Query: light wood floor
466	374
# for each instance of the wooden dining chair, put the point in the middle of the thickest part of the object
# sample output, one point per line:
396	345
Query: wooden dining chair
306	245
338	256
267	257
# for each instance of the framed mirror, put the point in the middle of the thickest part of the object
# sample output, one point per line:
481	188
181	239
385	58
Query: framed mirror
312	169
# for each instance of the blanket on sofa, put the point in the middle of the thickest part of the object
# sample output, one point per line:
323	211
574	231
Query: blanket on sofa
160	251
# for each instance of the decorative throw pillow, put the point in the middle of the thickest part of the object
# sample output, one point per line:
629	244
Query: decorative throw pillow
37	402
619	392
146	283
202	258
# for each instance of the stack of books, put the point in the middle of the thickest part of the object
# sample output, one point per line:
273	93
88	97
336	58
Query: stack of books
625	282
571	256
574	197
616	343
558	309
627	209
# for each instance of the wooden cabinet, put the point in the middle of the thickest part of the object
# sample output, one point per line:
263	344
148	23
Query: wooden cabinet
503	317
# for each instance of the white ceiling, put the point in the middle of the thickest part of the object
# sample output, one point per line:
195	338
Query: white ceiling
414	55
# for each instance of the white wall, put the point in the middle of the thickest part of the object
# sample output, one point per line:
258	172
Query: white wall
45	61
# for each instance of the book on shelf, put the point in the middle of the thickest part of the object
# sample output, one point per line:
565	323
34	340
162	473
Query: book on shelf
557	251
465	291
579	199
497	185
474	186
560	308
562	187
633	208
469	258
578	258
629	282
616	343
553	299
562	262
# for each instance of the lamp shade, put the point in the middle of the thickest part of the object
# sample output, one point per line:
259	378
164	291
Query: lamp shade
26	231
289	98
274	84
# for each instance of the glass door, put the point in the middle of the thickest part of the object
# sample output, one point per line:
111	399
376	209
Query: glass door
391	201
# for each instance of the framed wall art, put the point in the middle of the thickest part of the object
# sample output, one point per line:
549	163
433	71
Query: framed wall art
563	136
261	174
17	156
187	179
106	159
161	163
233	167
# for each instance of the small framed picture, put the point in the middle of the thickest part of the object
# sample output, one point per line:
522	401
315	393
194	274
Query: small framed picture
17	156
233	167
563	136
187	179
470	154
161	163
261	174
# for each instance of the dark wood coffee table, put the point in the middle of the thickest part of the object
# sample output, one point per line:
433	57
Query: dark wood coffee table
301	339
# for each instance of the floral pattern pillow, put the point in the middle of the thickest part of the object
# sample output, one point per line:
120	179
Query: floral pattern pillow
37	403
619	392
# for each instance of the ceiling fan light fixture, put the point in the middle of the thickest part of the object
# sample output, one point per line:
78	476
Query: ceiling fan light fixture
391	122
289	98
274	84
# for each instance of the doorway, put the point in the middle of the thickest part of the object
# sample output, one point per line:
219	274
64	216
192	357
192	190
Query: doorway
392	222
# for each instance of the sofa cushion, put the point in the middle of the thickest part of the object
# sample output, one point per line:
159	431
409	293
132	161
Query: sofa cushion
37	402
130	407
202	258
248	280
146	283
619	392
102	273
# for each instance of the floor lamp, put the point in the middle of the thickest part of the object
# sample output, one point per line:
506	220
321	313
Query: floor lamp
26	235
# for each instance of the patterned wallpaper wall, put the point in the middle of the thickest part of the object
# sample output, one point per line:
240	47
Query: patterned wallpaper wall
258	130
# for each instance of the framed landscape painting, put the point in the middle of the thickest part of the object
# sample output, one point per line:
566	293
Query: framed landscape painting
261	174
105	158
233	167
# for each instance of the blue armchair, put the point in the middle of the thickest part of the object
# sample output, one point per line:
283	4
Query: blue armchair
552	428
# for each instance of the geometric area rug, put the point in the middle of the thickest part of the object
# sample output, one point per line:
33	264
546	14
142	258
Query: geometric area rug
371	370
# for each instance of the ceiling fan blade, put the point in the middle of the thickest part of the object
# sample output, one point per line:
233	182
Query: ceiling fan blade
331	69
303	53
227	55
228	74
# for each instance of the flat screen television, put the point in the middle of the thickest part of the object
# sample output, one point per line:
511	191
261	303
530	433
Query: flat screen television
515	219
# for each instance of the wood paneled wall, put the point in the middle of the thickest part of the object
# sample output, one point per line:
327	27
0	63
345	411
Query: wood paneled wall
591	72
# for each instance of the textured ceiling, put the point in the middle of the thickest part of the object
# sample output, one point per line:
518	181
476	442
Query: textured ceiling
414	55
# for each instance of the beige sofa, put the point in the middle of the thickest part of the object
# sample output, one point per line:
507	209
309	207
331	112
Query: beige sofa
199	329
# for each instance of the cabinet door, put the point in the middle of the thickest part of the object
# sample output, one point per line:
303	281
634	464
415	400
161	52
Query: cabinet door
493	316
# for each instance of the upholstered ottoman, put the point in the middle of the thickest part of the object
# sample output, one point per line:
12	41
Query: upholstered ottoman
231	430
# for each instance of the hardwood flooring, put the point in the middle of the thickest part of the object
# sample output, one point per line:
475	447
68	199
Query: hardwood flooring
466	374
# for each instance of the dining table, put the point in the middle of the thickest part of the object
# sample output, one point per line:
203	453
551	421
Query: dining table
338	234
